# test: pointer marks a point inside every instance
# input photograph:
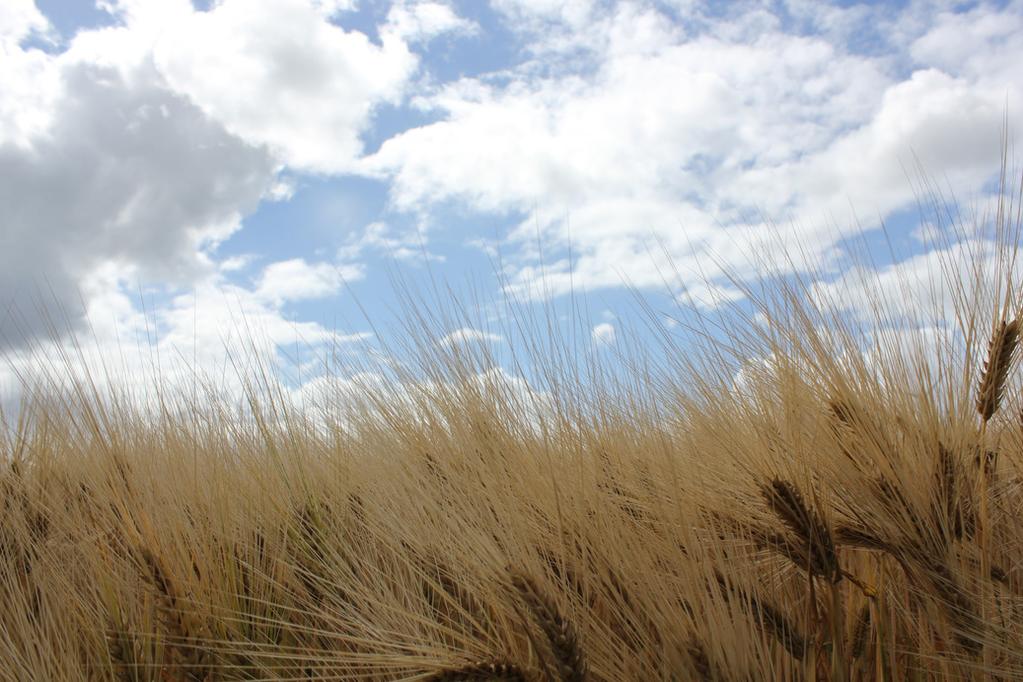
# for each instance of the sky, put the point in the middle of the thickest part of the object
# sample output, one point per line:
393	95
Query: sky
179	179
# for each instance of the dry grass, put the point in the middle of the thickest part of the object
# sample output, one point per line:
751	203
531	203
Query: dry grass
836	514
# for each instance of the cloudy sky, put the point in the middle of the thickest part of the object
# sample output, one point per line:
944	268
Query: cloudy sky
180	172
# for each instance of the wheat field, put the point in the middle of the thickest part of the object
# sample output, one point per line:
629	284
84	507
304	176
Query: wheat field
790	494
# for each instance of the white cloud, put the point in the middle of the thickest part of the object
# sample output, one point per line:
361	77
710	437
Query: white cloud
950	125
295	280
278	73
603	334
982	43
467	335
212	335
281	190
145	142
572	12
920	288
236	263
352	399
708	295
128	42
329	8
696	140
28	82
18	20
420	21
378	236
125	172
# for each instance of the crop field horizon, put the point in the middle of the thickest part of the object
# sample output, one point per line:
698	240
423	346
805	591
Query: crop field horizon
521	340
788	493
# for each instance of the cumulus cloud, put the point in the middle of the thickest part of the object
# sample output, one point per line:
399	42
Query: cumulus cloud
126	172
28	83
211	336
18	20
142	144
603	334
416	21
279	73
692	139
571	12
379	237
929	288
349	400
467	335
296	279
981	42
129	153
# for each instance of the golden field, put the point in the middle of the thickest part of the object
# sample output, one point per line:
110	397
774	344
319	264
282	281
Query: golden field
787	494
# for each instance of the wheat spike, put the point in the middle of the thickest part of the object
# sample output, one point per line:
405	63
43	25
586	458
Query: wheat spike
861	633
771	619
816	542
999	357
947	505
487	671
854	536
560	632
121	647
699	659
184	637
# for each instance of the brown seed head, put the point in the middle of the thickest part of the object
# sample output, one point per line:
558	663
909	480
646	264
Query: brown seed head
814	537
861	633
561	634
487	671
999	357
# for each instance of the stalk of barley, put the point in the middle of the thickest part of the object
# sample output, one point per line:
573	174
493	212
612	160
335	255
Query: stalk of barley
962	611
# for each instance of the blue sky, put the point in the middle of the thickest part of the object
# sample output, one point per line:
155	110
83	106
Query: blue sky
169	167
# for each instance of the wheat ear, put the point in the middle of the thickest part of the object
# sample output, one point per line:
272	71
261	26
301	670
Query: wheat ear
184	635
818	546
488	671
699	659
560	632
861	633
771	619
999	357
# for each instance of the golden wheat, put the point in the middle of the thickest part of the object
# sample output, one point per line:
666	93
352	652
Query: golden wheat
662	522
